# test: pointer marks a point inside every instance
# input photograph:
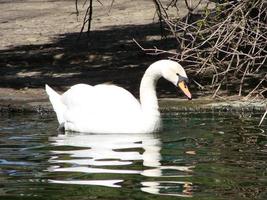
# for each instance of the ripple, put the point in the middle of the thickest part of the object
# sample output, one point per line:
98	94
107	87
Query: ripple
222	155
15	163
168	188
106	183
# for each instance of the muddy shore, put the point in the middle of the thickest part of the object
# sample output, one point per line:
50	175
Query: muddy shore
39	46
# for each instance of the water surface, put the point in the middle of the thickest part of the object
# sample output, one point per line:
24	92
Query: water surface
196	156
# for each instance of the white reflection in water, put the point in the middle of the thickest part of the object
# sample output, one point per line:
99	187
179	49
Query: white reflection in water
108	183
102	150
170	188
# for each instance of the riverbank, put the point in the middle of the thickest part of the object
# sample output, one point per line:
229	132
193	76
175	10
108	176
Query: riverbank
43	106
39	46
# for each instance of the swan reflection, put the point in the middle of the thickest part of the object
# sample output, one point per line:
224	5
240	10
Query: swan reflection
115	154
169	188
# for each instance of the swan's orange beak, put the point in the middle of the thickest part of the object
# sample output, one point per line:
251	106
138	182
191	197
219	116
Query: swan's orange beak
182	85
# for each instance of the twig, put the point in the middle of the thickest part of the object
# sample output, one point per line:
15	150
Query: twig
90	14
154	51
215	93
263	79
264	115
198	84
112	2
76	7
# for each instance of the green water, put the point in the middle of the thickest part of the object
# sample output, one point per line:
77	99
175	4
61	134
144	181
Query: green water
196	156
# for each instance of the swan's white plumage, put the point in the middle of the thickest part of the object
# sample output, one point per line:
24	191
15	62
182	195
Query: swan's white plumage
111	109
58	106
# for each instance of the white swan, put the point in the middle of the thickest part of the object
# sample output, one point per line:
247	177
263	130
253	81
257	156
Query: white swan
111	109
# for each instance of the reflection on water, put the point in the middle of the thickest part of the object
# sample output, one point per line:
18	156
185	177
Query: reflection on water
100	151
169	188
108	183
198	156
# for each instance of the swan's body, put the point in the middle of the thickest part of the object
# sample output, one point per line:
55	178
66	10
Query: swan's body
111	109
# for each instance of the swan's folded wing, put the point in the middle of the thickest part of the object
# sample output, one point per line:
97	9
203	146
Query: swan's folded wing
102	107
77	96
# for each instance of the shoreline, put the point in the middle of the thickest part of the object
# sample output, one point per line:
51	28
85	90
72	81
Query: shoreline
41	106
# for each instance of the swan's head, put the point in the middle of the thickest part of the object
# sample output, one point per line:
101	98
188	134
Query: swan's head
175	73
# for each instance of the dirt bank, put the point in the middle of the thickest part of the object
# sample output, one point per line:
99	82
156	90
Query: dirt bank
39	45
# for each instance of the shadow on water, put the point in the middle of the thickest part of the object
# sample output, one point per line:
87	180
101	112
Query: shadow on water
108	55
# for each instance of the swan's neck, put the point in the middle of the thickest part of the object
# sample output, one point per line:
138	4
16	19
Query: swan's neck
148	96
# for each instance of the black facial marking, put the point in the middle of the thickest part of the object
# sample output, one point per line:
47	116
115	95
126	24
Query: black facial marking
182	78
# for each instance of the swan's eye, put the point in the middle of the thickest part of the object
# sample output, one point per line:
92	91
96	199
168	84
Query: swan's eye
179	77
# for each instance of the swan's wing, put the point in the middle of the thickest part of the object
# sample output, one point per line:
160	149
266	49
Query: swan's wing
103	99
102	108
77	96
115	98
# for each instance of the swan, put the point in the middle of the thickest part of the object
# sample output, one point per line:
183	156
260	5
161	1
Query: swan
107	108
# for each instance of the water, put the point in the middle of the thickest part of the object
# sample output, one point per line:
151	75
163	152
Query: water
196	156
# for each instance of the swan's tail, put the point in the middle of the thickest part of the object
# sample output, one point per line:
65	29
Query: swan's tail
57	103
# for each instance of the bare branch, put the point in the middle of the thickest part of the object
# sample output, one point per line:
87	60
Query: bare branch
226	43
